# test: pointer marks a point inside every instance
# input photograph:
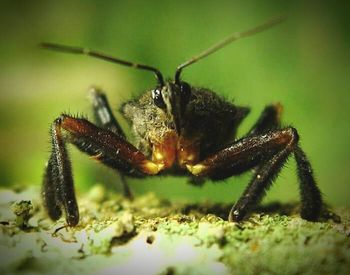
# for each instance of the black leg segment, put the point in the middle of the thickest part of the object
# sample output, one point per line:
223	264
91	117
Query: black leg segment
50	189
103	113
58	181
260	183
269	119
311	198
266	153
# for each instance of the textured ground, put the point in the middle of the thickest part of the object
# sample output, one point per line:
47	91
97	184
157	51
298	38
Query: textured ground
152	236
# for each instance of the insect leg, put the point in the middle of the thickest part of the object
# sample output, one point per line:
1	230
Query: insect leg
260	183
243	154
104	118
309	193
311	199
50	190
58	189
102	145
268	152
103	113
268	120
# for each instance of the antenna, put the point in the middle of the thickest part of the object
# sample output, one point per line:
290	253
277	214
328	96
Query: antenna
84	51
233	37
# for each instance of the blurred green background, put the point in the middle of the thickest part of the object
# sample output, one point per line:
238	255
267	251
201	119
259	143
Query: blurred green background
302	63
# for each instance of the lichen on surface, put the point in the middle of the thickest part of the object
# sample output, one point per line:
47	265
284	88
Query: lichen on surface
153	236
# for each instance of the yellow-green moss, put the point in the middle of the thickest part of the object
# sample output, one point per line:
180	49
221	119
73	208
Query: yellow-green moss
152	236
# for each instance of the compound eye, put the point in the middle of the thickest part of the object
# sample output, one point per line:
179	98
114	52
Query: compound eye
158	98
185	91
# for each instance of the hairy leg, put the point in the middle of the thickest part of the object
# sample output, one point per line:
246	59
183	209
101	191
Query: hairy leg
101	144
269	119
268	152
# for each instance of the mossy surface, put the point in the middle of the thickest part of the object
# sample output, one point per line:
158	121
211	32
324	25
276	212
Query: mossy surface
153	236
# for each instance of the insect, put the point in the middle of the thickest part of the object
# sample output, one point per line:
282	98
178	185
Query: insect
179	130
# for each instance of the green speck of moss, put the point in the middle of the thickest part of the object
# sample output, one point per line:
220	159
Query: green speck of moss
23	211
